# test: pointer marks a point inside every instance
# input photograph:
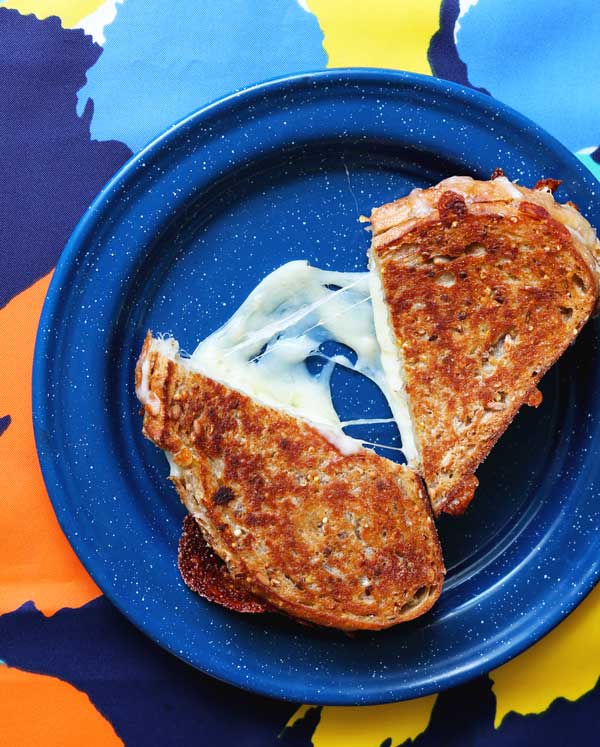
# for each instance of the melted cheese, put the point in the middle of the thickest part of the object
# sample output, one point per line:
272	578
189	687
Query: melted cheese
174	469
393	369
143	392
262	350
509	188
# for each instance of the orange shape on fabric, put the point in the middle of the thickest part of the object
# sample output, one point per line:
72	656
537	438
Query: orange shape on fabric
36	561
39	710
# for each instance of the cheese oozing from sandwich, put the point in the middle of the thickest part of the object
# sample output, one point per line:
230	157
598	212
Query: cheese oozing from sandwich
263	348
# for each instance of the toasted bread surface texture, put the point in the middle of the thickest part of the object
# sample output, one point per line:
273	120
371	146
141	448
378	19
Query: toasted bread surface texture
341	540
206	574
485	284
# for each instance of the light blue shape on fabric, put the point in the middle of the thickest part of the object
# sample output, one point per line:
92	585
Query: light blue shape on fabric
592	165
541	57
162	61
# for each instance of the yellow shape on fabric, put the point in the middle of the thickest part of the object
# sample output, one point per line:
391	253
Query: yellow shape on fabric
564	664
369	726
378	33
299	714
70	12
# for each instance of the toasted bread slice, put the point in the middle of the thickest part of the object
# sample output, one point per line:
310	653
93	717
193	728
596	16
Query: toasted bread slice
207	575
341	540
478	287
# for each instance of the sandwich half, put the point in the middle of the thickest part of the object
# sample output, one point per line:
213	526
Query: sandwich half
327	534
477	288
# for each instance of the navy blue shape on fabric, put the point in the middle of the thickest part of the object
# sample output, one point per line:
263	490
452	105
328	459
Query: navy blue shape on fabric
50	168
4	423
442	54
149	696
465	716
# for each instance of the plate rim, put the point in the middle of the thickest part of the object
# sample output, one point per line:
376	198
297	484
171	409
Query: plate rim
40	399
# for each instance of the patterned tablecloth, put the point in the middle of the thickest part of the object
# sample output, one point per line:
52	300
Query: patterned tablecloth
83	84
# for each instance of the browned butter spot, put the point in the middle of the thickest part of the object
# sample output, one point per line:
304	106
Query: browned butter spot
223	495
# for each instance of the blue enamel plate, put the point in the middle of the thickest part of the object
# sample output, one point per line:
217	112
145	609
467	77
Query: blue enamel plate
174	243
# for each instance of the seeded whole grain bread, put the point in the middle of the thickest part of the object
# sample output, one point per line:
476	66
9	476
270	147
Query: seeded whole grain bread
205	573
486	284
340	540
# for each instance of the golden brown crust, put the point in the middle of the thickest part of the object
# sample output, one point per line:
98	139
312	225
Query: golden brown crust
458	499
551	184
206	574
389	222
484	295
346	541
